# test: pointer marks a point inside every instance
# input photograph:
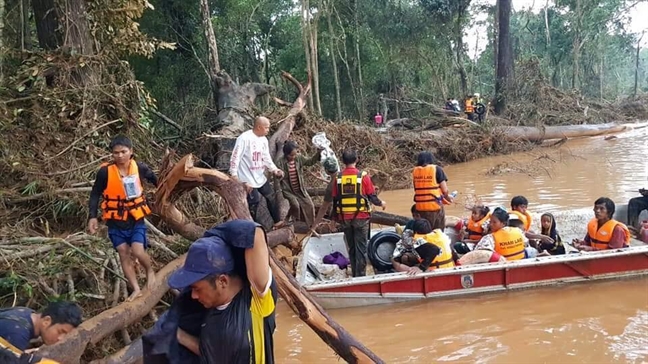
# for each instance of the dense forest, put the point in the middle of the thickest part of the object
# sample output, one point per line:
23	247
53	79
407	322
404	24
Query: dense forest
365	54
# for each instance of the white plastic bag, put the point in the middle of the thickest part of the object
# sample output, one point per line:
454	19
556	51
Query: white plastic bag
328	155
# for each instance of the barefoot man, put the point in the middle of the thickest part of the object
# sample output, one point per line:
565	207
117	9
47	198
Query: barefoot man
124	208
249	161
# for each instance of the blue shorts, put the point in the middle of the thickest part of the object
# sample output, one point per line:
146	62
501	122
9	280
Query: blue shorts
136	234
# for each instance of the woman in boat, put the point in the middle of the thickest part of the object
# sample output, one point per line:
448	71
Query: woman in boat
603	232
422	249
548	225
503	243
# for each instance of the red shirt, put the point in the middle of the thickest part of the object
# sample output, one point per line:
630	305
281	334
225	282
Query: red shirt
367	189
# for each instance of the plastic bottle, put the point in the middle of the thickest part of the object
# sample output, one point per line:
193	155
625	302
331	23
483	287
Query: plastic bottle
453	194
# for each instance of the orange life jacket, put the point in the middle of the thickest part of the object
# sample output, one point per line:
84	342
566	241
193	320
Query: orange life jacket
600	238
115	205
427	192
509	243
438	238
475	229
469	107
524	217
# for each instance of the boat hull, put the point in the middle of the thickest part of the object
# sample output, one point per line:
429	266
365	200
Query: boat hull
478	278
484	278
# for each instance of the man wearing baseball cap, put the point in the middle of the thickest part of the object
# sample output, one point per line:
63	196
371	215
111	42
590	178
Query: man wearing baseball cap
228	272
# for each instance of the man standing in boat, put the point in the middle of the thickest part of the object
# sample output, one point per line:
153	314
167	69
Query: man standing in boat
603	232
430	189
353	194
635	207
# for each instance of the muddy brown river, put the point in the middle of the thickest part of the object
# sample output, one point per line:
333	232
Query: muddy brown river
601	322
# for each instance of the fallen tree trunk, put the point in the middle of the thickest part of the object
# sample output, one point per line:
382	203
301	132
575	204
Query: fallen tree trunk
309	311
131	354
70	349
561	131
534	134
384	218
177	178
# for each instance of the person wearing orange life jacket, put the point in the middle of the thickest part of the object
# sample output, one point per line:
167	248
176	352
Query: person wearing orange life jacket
352	194
124	208
509	242
519	205
430	190
422	249
472	229
603	232
477	225
469	108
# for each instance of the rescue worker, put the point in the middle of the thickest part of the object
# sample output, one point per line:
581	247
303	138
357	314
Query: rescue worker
422	249
469	108
477	99
509	242
353	194
430	189
603	232
124	208
228	272
19	325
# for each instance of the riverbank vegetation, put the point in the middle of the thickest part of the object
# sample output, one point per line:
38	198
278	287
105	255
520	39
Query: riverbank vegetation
73	74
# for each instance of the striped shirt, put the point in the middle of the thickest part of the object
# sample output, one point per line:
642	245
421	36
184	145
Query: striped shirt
292	175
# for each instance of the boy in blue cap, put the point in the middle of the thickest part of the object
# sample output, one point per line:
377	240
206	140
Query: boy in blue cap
228	272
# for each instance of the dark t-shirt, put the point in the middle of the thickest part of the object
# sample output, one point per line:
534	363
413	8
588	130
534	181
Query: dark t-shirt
16	326
440	175
101	182
235	334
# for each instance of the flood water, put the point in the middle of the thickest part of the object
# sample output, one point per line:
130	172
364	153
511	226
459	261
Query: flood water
601	322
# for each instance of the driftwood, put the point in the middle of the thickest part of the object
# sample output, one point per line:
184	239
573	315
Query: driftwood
533	134
182	176
384	218
377	217
92	331
288	123
130	354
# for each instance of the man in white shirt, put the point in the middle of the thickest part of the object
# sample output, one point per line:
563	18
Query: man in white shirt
249	161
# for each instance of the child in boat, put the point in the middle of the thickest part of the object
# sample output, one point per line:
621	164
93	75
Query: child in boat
531	249
475	227
548	225
471	230
519	206
410	224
